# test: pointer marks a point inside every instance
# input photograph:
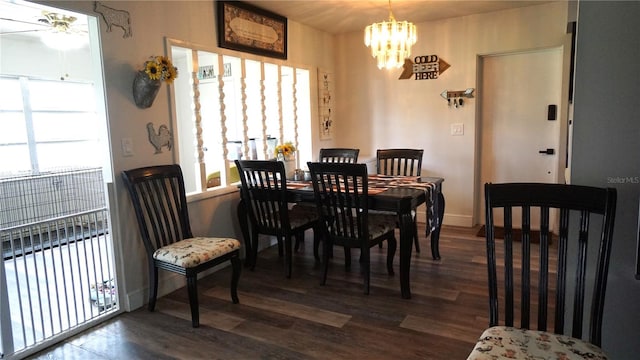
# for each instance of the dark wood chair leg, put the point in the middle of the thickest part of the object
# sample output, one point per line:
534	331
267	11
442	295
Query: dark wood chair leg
316	241
391	252
254	252
288	258
299	240
192	287
325	257
280	249
153	282
415	235
235	278
241	211
347	258
365	261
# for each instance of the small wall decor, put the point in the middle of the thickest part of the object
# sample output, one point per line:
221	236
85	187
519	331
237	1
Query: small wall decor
251	29
455	98
147	81
161	139
325	103
424	67
111	16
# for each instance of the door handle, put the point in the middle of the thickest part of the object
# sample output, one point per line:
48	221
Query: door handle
547	151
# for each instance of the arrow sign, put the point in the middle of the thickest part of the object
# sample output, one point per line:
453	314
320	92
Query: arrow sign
425	67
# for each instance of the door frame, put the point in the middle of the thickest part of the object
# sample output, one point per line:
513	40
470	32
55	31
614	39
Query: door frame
564	113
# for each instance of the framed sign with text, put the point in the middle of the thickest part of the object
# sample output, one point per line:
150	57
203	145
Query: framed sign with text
247	28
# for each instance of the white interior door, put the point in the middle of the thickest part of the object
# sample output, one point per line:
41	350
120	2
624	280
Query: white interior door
516	91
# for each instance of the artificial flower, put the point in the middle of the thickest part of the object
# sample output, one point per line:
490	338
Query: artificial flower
160	68
286	149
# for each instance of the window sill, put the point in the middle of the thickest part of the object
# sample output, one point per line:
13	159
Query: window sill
217	192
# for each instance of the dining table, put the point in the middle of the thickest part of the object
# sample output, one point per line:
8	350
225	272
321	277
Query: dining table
398	194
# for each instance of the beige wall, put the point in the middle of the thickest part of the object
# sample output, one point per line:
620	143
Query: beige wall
376	110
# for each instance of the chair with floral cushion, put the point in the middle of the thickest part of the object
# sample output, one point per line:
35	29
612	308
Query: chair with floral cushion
342	201
528	263
160	204
264	196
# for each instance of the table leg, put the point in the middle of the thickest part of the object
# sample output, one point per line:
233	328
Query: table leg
244	227
435	235
406	245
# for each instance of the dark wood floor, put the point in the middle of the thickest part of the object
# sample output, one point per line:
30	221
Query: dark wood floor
296	318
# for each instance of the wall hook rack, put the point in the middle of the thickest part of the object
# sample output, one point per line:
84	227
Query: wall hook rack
457	96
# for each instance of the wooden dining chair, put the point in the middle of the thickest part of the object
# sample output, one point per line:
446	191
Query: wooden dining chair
401	162
264	193
330	155
159	201
586	218
338	155
342	200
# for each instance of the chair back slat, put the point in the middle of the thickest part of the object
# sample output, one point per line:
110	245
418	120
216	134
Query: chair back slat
339	155
543	272
399	162
578	300
561	279
159	201
508	276
573	243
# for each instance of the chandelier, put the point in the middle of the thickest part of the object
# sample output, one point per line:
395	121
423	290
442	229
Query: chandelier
390	41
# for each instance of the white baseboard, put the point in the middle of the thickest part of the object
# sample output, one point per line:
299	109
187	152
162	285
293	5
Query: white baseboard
450	219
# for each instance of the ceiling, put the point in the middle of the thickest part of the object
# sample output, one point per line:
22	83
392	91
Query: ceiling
332	16
343	16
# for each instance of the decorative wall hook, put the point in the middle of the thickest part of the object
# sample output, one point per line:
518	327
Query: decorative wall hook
162	138
114	17
457	96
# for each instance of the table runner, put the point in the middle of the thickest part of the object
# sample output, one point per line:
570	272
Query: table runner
380	183
387	181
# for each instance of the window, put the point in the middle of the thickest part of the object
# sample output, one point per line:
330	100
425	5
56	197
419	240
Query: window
230	107
42	120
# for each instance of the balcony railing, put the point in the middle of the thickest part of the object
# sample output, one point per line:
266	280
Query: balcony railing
57	271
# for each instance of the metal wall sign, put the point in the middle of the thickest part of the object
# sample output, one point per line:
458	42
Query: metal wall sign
423	67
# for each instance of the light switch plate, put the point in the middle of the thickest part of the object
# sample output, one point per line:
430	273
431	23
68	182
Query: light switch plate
457	129
127	147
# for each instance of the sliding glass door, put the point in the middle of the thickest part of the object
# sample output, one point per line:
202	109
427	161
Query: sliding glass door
57	272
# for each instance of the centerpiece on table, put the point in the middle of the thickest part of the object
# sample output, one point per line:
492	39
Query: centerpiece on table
147	82
285	151
287	154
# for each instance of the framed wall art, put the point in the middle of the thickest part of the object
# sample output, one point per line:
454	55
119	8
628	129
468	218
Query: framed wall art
325	103
247	28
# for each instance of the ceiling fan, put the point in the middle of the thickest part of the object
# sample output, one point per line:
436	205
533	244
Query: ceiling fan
57	30
58	22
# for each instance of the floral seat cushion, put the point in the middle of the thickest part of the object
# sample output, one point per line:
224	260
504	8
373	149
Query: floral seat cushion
192	252
503	342
380	224
299	216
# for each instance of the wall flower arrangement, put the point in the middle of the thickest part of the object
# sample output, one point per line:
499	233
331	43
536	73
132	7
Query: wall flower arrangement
160	68
147	81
